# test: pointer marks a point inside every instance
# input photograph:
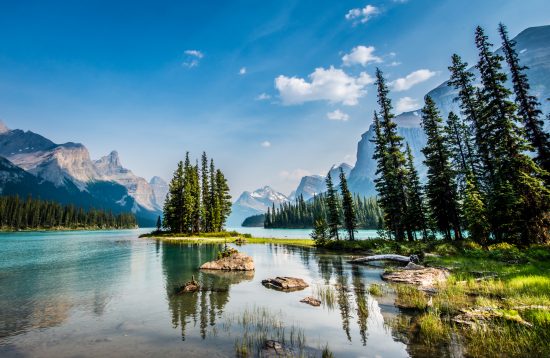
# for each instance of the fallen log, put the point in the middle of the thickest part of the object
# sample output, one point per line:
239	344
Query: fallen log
387	257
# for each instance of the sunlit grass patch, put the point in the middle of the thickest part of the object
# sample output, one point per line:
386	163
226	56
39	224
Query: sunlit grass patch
410	297
432	329
376	289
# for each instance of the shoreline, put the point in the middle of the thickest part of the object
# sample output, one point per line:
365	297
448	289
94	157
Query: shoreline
238	240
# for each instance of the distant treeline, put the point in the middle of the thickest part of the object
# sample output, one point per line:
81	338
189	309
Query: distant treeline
302	214
29	214
254	221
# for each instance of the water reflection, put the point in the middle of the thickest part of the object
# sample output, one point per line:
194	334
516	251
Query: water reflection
39	289
180	263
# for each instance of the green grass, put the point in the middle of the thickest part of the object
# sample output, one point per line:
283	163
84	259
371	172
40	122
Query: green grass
375	289
224	237
510	284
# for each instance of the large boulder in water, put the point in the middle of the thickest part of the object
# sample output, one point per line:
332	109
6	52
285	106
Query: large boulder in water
285	283
237	261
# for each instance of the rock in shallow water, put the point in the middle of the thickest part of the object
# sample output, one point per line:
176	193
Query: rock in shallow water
235	262
311	301
285	283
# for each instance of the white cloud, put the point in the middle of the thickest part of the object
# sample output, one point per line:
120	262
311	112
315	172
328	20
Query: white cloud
362	15
360	55
265	144
337	115
295	174
413	78
331	84
407	104
394	63
262	97
193	58
242	71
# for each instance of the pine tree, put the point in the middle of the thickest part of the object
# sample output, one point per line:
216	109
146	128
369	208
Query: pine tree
396	201
224	199
173	205
196	194
441	187
518	202
528	105
382	170
320	232
475	214
350	219
214	199
333	208
159	223
416	215
471	105
188	195
460	148
206	211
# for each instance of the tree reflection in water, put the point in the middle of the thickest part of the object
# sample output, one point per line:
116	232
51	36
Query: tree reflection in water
180	263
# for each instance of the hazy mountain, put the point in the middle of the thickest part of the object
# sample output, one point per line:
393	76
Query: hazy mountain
312	185
160	190
253	203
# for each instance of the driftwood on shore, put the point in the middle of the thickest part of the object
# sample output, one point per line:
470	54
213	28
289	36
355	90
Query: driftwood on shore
387	257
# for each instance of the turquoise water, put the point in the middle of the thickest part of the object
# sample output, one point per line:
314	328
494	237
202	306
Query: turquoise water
295	233
108	293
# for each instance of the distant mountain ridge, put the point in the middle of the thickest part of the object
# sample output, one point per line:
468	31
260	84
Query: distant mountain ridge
75	177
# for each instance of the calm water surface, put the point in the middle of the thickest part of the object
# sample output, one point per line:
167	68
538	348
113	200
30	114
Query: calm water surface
109	293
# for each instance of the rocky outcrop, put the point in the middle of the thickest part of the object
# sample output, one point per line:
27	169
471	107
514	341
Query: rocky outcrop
424	277
189	287
273	349
235	262
285	283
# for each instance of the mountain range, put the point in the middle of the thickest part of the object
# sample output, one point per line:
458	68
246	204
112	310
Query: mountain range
34	165
533	45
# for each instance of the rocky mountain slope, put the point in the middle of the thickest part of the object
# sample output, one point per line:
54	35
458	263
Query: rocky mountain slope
68	167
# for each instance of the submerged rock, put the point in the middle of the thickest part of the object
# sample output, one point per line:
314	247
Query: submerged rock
285	283
235	262
273	348
189	287
311	301
423	277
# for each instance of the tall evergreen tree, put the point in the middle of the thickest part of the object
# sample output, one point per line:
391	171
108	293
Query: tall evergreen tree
416	214
214	199
460	148
173	205
224	199
395	179
382	175
518	201
206	211
333	219
475	214
350	219
528	105
159	223
471	105
196	194
441	187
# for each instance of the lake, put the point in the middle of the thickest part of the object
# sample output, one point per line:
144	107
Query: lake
295	233
109	293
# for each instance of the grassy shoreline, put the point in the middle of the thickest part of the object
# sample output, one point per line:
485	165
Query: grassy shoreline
224	237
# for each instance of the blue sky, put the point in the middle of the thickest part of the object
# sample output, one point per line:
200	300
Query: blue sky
272	90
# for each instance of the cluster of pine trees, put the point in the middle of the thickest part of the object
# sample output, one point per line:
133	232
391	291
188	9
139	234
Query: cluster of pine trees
29	214
340	212
302	214
482	174
198	199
